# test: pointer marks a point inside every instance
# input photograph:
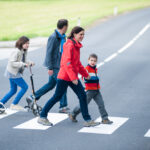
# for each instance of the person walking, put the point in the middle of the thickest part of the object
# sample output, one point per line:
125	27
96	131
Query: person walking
52	63
14	71
68	76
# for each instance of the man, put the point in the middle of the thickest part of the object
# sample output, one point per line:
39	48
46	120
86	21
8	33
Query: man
52	63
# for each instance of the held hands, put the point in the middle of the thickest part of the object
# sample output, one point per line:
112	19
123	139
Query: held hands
50	72
88	78
75	82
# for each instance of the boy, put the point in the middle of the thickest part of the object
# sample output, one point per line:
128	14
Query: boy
92	88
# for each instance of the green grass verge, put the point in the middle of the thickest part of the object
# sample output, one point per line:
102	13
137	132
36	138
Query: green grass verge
35	18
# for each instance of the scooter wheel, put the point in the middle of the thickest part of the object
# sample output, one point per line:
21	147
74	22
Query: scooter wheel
2	109
27	108
35	112
39	109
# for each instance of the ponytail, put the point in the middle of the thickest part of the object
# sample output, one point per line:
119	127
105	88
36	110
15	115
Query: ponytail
75	30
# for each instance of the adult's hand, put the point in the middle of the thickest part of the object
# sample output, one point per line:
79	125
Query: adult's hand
75	82
50	72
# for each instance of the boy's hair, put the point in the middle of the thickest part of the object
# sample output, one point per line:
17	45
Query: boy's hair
93	56
61	23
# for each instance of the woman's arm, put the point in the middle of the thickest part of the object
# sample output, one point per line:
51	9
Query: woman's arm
67	61
83	71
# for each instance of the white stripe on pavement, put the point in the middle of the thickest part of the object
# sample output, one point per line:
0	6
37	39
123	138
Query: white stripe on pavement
33	125
126	46
8	113
147	133
105	129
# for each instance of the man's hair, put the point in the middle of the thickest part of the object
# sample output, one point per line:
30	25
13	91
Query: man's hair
93	56
61	23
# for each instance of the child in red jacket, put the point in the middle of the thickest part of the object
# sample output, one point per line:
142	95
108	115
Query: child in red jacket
92	88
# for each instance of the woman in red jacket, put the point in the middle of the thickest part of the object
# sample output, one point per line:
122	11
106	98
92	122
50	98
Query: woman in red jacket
68	76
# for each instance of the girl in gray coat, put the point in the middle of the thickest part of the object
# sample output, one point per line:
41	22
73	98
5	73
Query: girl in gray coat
15	67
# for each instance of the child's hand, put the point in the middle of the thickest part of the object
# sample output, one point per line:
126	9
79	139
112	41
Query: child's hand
88	78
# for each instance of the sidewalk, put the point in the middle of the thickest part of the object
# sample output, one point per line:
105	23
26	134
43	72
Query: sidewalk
6	47
35	42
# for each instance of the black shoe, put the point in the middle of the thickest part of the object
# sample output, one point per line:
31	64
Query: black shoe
29	100
64	110
72	118
2	108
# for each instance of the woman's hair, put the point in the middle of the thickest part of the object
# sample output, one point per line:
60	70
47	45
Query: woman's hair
61	23
93	56
75	30
21	41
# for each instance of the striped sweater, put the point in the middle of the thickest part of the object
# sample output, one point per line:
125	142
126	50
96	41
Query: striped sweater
93	82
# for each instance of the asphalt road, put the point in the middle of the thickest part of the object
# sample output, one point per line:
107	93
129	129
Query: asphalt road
125	87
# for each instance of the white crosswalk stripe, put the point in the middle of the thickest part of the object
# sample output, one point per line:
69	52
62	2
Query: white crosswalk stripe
105	129
33	125
147	133
8	113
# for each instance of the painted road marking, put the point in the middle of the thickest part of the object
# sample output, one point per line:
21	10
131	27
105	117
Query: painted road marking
33	125
114	55
105	129
147	133
8	113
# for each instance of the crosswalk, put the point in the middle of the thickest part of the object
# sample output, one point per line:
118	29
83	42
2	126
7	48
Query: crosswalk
105	129
147	133
57	118
32	124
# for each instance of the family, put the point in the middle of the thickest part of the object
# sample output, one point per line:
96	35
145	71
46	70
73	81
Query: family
62	61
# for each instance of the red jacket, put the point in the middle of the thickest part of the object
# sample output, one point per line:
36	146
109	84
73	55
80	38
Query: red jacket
70	62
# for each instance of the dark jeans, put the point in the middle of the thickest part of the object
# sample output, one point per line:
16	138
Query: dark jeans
49	86
96	95
61	88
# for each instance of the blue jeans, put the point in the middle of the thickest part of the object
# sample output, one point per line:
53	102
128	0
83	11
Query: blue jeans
49	86
14	82
61	88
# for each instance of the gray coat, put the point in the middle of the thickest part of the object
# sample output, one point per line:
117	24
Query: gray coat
15	61
53	52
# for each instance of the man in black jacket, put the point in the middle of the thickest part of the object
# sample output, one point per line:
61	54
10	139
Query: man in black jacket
52	63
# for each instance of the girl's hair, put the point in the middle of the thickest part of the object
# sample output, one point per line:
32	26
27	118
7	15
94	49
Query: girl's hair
21	41
75	30
93	56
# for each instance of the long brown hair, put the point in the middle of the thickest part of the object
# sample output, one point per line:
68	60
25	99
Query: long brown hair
21	41
75	30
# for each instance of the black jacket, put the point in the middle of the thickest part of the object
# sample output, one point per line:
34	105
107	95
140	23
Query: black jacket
53	52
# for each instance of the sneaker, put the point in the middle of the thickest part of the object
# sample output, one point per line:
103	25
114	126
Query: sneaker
106	121
2	108
17	107
44	121
91	123
64	110
29	100
72	117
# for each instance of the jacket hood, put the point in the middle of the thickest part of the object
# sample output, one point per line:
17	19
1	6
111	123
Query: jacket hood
76	44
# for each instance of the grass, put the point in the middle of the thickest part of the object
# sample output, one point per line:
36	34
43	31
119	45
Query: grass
35	18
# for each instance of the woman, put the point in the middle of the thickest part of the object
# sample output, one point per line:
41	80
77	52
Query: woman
68	76
15	67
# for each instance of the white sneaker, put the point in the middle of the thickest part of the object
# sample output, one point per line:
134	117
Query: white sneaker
17	107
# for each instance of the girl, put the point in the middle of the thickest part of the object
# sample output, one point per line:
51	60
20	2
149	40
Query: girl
68	76
15	67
